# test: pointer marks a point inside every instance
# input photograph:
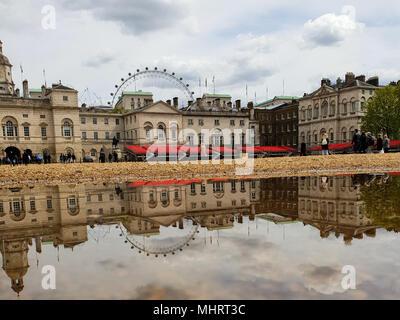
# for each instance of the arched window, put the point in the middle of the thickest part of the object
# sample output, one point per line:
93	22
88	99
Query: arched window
332	110
331	136
344	135
325	109
160	132
67	129
316	111
10	129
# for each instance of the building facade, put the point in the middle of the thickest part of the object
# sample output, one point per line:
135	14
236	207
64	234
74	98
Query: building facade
50	121
335	109
278	124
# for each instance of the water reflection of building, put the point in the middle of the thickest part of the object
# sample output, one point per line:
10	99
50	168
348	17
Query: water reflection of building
333	205
42	214
279	196
60	214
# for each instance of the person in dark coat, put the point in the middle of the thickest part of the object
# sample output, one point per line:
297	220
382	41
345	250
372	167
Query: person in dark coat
379	144
356	141
303	149
363	143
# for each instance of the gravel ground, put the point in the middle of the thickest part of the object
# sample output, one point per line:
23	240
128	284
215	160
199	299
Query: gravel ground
131	171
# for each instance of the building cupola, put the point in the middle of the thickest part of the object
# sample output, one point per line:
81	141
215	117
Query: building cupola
6	83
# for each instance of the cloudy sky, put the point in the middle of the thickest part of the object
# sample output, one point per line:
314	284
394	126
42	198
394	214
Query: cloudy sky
274	47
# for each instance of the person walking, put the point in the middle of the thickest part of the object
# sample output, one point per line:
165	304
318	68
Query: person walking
370	142
356	141
363	143
303	149
379	144
73	158
110	157
386	144
325	145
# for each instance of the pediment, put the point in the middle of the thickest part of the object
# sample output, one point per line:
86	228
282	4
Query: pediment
160	107
323	91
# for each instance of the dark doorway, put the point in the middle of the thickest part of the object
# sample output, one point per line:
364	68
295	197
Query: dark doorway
29	152
13	153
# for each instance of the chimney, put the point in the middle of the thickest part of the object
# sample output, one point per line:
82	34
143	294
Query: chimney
83	105
373	81
361	78
230	105
190	102
237	104
25	88
325	81
198	101
349	78
169	102
338	83
176	105
17	92
1	47
250	105
43	91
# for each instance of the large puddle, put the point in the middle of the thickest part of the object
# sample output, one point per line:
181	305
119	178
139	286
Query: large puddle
280	238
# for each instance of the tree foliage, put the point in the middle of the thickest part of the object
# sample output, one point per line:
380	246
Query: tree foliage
381	202
383	112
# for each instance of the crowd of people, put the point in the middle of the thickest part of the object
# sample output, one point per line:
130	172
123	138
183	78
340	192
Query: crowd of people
365	142
67	158
362	142
112	157
26	158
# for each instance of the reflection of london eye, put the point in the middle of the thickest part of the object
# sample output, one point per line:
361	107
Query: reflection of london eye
146	74
152	246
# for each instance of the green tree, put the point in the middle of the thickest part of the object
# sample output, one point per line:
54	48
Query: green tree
383	112
381	202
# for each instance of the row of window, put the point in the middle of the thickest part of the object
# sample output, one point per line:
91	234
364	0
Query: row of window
42	116
218	186
219	203
216	122
100	197
11	130
18	206
346	136
96	135
315	114
83	121
101	211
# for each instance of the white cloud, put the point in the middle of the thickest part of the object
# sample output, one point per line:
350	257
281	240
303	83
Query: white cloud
330	29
